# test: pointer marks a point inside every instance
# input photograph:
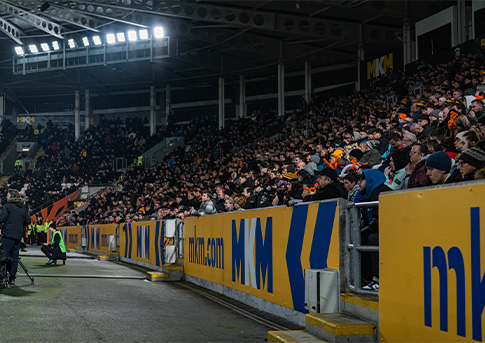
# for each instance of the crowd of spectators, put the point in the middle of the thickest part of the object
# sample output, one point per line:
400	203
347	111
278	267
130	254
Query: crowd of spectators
406	131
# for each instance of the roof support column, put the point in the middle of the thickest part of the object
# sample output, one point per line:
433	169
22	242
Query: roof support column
168	104
88	112
77	107
221	103
407	49
153	112
242	109
460	4
308	81
281	89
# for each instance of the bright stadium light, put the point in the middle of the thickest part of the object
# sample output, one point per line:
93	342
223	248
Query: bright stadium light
143	34
158	32
71	43
85	41
19	50
33	48
111	38
97	40
132	37
120	36
55	45
45	47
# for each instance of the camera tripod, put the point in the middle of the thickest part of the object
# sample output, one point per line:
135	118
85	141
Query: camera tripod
5	280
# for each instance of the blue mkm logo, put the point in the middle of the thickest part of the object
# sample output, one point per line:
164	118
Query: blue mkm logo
143	241
322	236
436	258
252	257
213	256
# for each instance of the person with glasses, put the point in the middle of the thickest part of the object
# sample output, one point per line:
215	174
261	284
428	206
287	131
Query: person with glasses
416	168
469	161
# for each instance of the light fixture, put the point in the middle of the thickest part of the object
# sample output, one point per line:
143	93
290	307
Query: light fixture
45	47
121	37
55	45
33	48
158	32
71	43
97	40
132	36
143	34
111	38
19	50
85	41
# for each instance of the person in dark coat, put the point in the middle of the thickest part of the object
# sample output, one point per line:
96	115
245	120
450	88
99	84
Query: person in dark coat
371	185
16	218
328	186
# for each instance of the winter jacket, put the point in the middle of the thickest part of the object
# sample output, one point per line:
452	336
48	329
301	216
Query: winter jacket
372	157
331	191
398	181
418	177
374	186
15	217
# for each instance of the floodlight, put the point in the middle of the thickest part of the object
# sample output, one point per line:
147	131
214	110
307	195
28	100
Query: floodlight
19	50
132	36
143	34
55	45
45	47
97	40
33	48
121	37
85	41
111	38
158	32
71	43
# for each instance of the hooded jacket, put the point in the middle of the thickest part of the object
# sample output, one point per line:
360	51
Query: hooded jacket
374	186
15	217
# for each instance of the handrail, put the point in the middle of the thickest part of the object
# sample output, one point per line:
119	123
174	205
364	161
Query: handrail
353	248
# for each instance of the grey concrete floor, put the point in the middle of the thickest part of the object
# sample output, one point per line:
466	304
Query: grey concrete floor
58	309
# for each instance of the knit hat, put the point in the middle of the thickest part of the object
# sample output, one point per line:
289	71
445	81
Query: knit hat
473	156
357	153
315	159
439	160
435	113
289	176
402	116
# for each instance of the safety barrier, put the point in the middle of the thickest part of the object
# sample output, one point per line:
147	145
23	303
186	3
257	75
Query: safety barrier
97	238
151	244
432	286
353	253
259	256
72	236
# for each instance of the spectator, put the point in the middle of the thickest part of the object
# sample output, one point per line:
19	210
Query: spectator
438	165
416	169
328	187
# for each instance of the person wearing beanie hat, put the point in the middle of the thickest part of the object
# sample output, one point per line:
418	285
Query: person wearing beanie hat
469	161
438	165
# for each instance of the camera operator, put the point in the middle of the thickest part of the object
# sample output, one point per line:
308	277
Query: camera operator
16	218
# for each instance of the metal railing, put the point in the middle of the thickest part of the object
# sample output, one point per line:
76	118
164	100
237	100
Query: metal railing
354	248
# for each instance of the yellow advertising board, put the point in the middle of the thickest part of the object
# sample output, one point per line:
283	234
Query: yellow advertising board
71	236
432	286
264	252
97	237
143	242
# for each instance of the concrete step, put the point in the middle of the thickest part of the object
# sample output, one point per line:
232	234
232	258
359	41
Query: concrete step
169	273
295	336
338	327
364	307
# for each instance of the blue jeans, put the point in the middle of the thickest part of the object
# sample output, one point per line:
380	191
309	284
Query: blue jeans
12	247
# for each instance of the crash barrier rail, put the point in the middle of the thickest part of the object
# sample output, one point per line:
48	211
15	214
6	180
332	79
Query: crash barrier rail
352	259
259	256
150	244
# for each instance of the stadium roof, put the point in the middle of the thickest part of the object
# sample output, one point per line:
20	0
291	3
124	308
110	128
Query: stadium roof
208	38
